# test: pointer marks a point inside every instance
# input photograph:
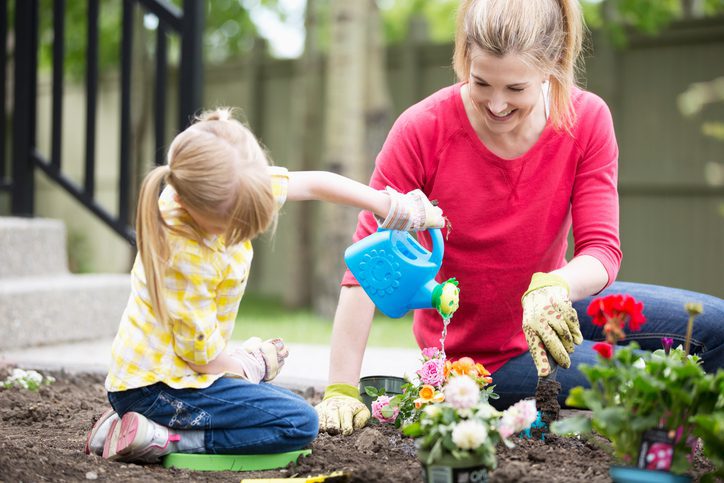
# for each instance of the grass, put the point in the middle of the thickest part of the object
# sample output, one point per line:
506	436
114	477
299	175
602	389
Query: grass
267	318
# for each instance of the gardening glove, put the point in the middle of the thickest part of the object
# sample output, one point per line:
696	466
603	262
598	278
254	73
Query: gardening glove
411	212
550	323
341	410
252	365
272	353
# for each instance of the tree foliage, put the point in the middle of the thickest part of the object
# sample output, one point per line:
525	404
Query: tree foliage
229	32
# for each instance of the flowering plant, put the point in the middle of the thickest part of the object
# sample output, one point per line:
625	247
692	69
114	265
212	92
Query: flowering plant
22	379
642	401
427	387
466	426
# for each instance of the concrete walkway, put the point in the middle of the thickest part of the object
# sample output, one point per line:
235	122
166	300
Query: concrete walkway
307	365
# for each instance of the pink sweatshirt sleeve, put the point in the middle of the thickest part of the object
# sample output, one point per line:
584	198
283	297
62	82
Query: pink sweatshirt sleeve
595	210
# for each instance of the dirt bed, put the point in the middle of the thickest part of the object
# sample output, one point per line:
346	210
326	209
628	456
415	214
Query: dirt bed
42	434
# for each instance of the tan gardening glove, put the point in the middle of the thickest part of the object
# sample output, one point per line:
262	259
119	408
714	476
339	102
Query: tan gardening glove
272	352
411	212
341	410
550	322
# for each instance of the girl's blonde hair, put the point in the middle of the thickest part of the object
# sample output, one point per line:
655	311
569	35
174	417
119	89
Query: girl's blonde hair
218	169
548	34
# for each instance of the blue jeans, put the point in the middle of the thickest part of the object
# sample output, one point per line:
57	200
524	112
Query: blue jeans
665	317
238	417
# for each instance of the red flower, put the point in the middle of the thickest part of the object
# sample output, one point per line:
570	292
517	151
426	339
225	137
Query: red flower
623	307
604	349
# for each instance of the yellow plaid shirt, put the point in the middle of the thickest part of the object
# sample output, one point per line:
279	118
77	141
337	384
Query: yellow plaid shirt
203	286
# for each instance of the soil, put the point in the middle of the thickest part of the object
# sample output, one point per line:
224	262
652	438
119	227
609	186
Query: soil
42	435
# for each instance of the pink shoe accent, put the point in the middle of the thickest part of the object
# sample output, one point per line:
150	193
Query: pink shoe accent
109	413
137	439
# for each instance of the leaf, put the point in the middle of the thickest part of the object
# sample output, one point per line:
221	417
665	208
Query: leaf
371	391
572	426
413	430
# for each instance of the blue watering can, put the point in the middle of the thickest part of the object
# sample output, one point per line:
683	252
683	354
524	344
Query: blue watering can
398	273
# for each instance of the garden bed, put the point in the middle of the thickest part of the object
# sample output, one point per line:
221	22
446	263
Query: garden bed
42	435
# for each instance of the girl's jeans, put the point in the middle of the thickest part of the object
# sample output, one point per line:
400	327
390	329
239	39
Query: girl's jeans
665	317
238	417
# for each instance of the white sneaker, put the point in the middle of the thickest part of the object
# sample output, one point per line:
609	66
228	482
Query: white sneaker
135	438
96	438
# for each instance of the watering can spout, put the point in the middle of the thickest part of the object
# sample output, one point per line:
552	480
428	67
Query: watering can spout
398	273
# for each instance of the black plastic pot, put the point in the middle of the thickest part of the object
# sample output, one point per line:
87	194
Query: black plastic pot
391	384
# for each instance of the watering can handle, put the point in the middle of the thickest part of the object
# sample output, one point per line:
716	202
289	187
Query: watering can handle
438	245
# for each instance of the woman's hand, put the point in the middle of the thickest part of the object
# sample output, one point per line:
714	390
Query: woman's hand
550	323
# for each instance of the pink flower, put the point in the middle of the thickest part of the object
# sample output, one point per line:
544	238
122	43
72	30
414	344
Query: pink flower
517	417
381	403
430	352
432	372
667	342
604	349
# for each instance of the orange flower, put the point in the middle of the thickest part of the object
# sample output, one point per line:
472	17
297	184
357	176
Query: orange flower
428	394
483	373
465	366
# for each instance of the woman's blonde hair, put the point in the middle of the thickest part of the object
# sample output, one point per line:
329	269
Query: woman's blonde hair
547	34
218	169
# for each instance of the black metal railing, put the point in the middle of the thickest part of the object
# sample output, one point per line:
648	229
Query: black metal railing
19	179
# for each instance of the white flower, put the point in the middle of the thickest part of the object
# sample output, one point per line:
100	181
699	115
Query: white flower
639	364
486	411
469	434
462	392
432	410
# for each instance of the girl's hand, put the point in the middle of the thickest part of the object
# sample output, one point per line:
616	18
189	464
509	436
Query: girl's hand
411	212
272	352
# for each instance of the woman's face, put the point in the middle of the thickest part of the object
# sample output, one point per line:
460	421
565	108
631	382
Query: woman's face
504	91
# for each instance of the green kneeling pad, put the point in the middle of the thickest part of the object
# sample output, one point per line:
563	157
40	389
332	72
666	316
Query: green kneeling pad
232	462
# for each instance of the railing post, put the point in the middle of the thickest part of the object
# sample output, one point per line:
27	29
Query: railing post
26	59
191	82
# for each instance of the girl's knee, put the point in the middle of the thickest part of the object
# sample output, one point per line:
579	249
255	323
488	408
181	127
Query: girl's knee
304	425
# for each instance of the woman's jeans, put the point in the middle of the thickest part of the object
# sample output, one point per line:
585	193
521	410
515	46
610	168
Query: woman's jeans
665	317
238	417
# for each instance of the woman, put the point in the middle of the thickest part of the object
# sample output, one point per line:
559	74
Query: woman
516	155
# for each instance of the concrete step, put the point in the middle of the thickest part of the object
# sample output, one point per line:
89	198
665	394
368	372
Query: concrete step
60	308
32	247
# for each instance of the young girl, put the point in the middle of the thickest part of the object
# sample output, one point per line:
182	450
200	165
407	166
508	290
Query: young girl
174	384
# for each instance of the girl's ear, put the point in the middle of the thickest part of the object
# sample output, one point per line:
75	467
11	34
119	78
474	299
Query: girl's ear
177	199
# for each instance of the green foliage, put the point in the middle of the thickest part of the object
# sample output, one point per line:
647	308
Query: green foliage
228	32
30	380
635	391
266	317
647	16
439	15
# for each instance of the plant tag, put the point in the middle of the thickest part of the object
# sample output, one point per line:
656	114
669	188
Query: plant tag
447	474
657	450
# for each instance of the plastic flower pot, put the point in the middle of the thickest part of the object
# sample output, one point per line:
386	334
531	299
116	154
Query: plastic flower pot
629	474
448	469
391	384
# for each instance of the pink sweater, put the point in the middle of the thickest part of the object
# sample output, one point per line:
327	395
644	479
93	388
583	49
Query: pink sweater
510	217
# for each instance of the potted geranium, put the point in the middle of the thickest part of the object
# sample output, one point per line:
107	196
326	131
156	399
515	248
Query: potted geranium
647	404
456	439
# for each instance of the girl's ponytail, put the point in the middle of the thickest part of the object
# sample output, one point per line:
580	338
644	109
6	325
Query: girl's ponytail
151	238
